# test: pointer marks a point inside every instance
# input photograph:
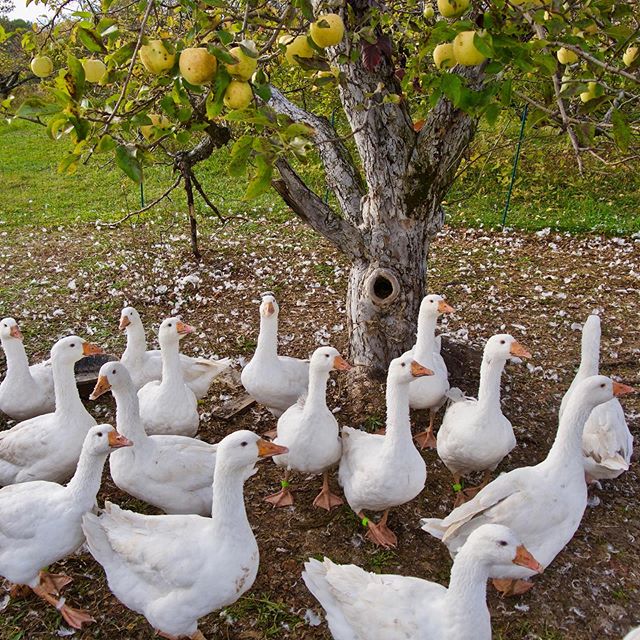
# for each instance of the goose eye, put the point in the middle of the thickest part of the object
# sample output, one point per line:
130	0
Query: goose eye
602	386
403	364
326	355
99	434
502	341
503	543
73	344
114	372
243	444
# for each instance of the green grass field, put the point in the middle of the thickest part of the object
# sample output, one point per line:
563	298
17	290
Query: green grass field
549	192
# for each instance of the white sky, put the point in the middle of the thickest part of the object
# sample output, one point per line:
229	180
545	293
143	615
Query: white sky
32	12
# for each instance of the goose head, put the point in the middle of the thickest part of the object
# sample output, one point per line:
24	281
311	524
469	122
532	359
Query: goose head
328	359
129	316
9	329
496	545
405	369
240	450
112	375
502	347
269	306
596	390
103	438
173	330
434	305
72	348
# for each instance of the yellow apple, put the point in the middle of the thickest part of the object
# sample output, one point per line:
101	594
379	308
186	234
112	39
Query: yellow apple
428	12
298	47
42	66
629	56
443	56
197	65
329	34
155	57
465	51
159	121
245	66
566	56
238	95
94	70
452	8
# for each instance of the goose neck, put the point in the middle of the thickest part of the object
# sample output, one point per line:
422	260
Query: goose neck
590	353
490	380
171	367
17	361
227	508
425	340
128	415
65	389
317	393
398	424
566	450
268	337
136	341
85	484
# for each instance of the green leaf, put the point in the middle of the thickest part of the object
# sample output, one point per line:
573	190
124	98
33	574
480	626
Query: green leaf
225	37
222	54
298	129
34	106
306	8
106	143
452	87
239	155
216	95
263	91
91	40
621	131
492	112
505	93
127	161
483	44
259	183
74	77
69	164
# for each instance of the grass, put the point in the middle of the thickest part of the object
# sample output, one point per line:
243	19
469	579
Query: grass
547	193
270	617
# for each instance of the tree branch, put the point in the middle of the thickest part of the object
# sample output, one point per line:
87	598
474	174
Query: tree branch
342	176
308	206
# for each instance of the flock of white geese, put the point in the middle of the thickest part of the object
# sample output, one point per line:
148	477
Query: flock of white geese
202	555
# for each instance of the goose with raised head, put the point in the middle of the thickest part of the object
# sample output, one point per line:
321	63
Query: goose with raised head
146	365
176	569
607	443
41	522
475	435
310	432
543	504
378	472
26	391
169	406
368	606
48	446
429	392
272	380
173	473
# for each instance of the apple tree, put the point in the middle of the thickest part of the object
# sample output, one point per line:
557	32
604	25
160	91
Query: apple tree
385	94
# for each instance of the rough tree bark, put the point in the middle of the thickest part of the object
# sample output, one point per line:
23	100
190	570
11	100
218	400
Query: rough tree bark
389	213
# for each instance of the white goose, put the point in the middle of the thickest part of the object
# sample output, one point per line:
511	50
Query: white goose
169	406
370	606
310	432
378	472
26	391
429	392
475	435
272	380
41	522
176	569
146	366
47	447
607	443
173	473
542	504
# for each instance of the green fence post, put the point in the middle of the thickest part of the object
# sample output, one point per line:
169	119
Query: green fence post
523	121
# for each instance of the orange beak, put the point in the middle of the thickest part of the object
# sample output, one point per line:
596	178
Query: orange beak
102	386
341	364
124	323
269	309
89	349
15	332
518	350
525	559
183	329
117	440
443	307
620	389
417	370
268	449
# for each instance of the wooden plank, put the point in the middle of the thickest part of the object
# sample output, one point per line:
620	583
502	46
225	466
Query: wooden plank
234	407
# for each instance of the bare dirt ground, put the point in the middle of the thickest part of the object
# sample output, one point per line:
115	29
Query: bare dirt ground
538	287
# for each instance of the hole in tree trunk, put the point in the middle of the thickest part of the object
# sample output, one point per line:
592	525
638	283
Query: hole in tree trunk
383	287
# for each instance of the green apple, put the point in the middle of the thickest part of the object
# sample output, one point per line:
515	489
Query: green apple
238	95
244	68
197	65
443	56
465	51
94	70
327	30
155	57
42	66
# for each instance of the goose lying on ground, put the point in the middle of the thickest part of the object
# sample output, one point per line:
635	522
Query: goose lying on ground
607	443
369	606
146	365
310	432
428	392
41	522
173	473
272	380
176	569
378	472
529	499
475	435
47	447
26	391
